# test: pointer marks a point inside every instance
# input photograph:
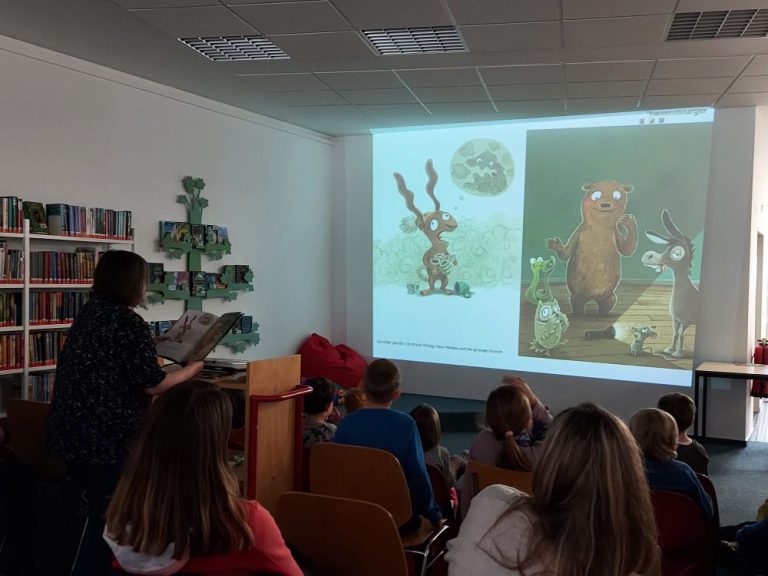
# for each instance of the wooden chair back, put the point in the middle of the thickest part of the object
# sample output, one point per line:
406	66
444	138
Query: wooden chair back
441	491
683	535
341	536
360	473
709	488
28	432
484	475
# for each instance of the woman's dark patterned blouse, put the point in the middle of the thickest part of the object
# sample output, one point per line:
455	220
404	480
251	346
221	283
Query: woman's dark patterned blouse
108	361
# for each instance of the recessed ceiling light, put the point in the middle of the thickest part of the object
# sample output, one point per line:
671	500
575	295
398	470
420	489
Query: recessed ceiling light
426	40
229	48
719	24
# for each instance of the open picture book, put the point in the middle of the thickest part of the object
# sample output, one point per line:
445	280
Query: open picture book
195	335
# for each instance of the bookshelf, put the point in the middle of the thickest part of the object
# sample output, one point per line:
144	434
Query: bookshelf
13	378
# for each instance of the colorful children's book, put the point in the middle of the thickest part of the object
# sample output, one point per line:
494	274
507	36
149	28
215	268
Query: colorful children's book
223	236
195	335
198	236
156	273
35	213
199	284
212	281
179	281
240	274
211	234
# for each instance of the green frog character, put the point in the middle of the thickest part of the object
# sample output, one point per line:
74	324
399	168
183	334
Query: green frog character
538	290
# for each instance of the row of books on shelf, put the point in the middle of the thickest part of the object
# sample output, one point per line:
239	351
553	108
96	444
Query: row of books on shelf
196	235
48	266
44	347
11	351
44	307
55	307
40	386
198	283
159	327
64	219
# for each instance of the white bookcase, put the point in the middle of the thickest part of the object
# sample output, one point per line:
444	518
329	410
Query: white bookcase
29	242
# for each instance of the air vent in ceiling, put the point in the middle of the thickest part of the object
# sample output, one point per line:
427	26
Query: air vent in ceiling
228	48
719	24
428	40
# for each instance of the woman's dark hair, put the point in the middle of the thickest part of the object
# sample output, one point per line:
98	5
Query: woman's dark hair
121	275
323	393
428	422
177	487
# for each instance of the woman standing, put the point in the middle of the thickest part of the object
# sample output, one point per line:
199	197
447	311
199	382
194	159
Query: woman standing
105	377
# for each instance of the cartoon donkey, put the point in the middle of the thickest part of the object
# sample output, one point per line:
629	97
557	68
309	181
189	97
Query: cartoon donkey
684	302
437	260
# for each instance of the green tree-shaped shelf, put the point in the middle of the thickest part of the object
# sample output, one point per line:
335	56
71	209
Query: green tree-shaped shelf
195	204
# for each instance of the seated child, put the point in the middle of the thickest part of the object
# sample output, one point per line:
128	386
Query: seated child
177	504
318	405
512	411
656	434
377	426
682	409
428	422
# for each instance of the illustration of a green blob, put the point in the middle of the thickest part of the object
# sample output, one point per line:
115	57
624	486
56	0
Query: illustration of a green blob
482	167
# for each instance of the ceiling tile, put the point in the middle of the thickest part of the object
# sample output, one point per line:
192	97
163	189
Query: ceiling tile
681	101
360	80
441	108
293	17
700	67
493	11
749	84
274	82
322	45
601	104
602	32
345	111
527	92
452	94
199	21
540	108
382	96
609	71
307	97
673	86
736	100
758	66
573	9
524	74
503	37
440	77
393	13
164	3
388	111
605	89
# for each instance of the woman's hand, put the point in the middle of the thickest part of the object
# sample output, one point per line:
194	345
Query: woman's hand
176	377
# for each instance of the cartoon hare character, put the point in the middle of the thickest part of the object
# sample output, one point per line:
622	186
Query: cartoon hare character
684	302
437	260
594	250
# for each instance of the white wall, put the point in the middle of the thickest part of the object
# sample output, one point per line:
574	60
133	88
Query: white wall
722	334
75	132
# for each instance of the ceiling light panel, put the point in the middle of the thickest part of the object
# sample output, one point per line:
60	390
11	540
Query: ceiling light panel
236	48
422	40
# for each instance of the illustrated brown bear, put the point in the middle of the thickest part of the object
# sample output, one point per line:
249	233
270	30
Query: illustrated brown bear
594	250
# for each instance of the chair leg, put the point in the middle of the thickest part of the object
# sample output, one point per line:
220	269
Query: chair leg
79	546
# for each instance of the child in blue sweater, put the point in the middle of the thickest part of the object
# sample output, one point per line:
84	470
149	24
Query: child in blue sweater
377	426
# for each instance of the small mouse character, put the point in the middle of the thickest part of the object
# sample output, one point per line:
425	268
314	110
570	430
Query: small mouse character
639	335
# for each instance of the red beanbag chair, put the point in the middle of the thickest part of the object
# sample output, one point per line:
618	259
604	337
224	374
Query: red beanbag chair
339	363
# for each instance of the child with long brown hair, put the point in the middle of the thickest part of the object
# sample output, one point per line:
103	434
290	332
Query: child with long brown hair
590	513
178	499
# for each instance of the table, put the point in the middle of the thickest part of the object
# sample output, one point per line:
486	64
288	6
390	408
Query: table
707	370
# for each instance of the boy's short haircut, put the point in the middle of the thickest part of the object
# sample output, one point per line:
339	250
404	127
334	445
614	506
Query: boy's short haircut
323	393
381	381
656	433
681	407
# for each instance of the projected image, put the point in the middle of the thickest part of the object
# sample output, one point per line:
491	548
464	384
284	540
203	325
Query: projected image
603	283
558	245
